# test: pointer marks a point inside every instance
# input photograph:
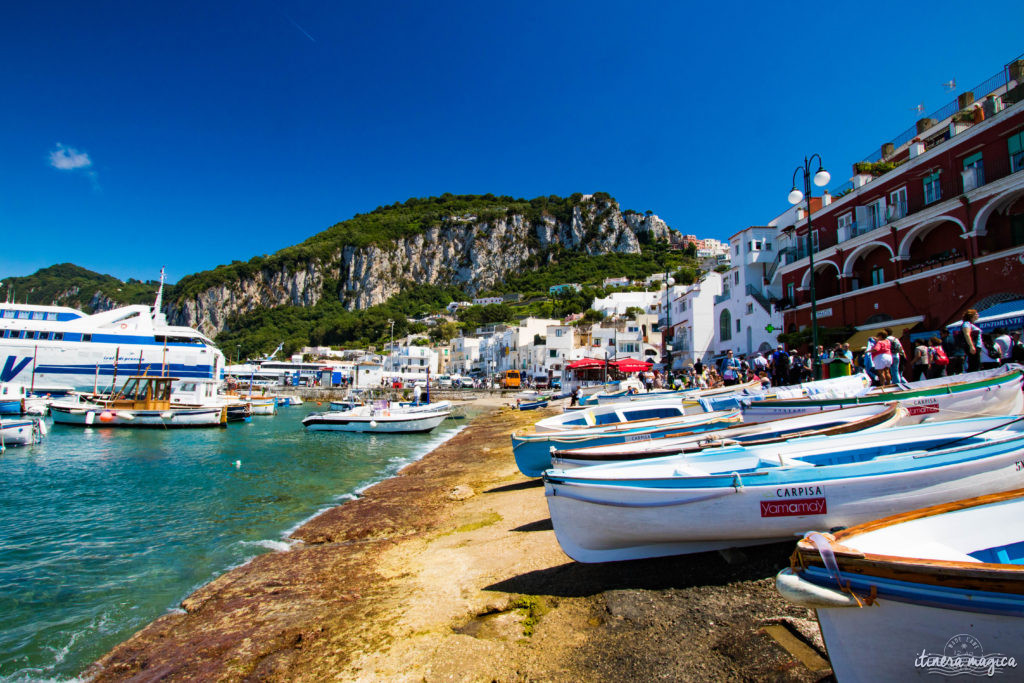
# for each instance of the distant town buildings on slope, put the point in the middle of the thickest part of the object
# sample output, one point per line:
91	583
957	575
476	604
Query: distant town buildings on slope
930	225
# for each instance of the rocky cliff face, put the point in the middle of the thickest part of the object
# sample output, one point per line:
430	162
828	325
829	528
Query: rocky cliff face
461	250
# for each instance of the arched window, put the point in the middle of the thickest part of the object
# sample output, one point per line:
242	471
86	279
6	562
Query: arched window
725	326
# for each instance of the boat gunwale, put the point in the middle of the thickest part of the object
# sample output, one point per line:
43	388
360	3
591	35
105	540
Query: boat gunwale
615	427
985	576
896	394
891	411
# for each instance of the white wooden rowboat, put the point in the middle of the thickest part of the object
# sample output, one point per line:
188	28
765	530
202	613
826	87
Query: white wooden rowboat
931	594
746	496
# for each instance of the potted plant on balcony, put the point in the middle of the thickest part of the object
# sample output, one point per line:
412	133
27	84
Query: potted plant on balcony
873	168
961	121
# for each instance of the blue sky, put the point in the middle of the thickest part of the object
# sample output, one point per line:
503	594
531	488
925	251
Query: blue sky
188	134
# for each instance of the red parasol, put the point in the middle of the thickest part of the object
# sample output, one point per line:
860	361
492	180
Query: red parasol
632	365
585	363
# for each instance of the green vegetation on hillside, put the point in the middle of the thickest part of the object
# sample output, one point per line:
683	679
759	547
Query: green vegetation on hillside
383	226
329	323
66	284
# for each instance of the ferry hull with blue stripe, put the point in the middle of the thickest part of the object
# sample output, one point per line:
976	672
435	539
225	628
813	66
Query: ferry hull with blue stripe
58	346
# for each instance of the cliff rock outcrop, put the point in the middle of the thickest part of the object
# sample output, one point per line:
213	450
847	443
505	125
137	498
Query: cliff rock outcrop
473	253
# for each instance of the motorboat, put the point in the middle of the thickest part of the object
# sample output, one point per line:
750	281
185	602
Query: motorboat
205	393
21	432
743	495
378	418
532	449
617	413
839	421
12	399
143	401
937	591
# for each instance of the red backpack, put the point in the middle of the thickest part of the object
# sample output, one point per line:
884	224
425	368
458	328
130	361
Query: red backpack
939	356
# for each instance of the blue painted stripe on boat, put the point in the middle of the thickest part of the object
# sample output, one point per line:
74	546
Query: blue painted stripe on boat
943	597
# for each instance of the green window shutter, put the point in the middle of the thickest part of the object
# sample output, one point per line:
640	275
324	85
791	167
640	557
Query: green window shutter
971	160
1016	143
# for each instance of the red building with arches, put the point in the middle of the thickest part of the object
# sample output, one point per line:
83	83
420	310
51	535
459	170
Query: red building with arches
931	225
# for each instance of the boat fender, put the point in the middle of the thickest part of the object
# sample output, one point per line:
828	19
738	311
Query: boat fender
373	424
806	594
167	415
105	416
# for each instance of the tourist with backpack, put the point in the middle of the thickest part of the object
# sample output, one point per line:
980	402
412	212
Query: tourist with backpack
899	358
922	361
939	361
881	358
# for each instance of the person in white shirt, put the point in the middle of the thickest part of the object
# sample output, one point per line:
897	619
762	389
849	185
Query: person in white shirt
1003	344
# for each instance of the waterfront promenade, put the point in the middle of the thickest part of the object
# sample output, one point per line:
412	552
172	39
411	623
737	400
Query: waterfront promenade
450	571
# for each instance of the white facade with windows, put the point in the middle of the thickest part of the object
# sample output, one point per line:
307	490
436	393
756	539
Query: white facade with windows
746	321
693	328
618	303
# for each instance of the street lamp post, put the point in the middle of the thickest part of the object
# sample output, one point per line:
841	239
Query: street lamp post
821	178
669	283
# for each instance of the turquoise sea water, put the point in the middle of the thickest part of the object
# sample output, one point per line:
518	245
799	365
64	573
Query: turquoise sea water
103	530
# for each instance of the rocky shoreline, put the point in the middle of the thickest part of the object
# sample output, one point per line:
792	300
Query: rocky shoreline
451	571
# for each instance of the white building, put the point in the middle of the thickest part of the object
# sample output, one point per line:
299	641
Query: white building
411	362
616	282
624	338
456	305
488	300
465	355
693	321
746	321
617	303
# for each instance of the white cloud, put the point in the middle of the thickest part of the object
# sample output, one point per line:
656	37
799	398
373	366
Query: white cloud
69	159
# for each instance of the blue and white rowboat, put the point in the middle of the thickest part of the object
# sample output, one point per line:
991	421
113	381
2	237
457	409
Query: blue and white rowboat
746	496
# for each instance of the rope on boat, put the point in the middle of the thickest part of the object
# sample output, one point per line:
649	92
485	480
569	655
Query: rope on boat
823	544
971	436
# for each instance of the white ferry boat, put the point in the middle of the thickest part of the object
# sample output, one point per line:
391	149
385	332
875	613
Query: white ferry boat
54	348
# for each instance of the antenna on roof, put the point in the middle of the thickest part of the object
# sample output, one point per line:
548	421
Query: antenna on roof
950	84
919	108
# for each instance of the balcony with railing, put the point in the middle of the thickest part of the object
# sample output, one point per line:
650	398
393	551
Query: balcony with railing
1000	93
723	297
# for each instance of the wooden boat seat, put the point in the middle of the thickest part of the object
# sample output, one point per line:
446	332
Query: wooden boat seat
780	460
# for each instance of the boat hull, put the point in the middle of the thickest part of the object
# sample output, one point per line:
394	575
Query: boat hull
997	394
19	433
602	522
533	451
96	416
414	423
909	641
266	406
